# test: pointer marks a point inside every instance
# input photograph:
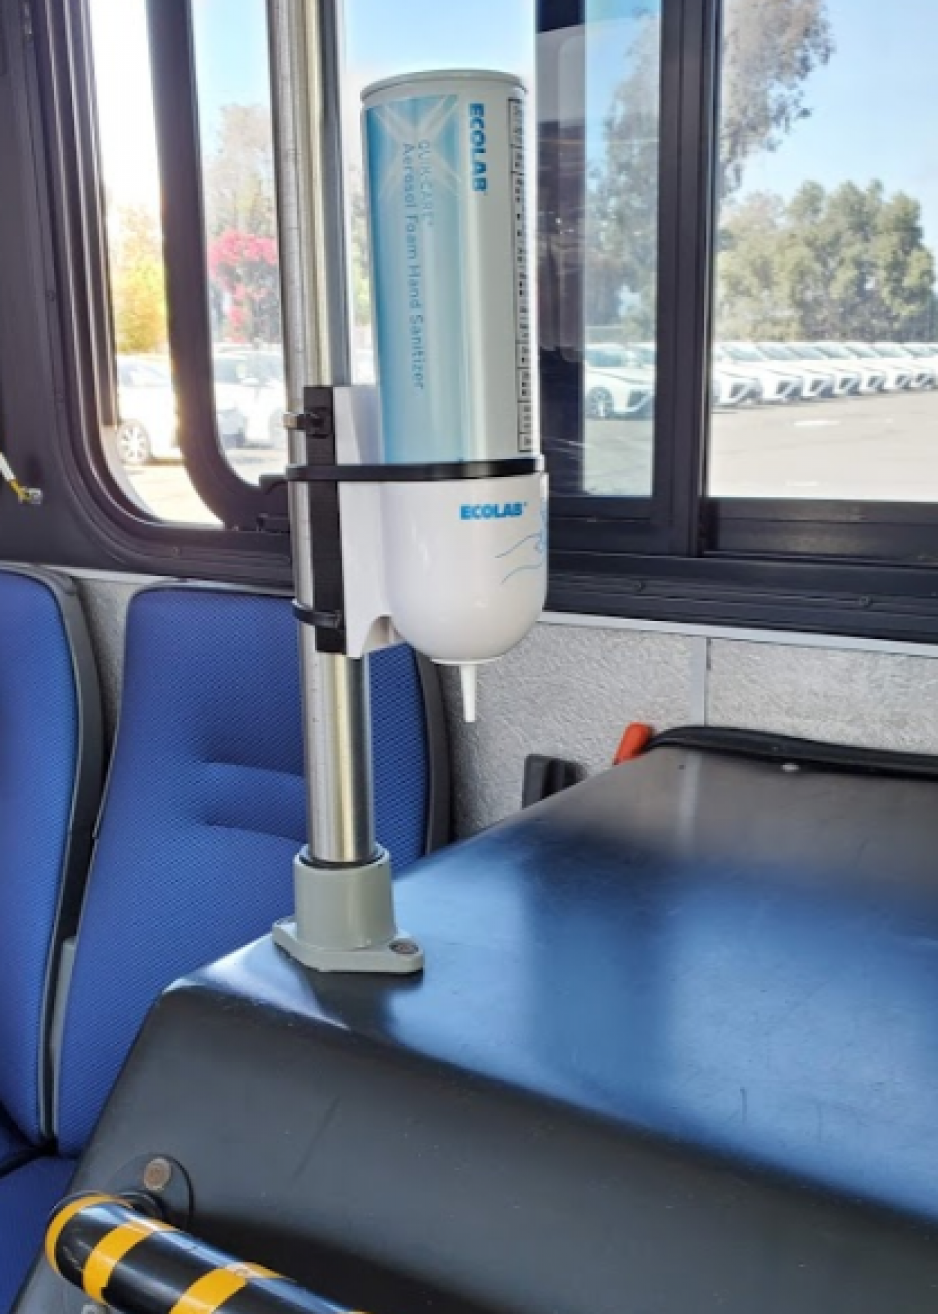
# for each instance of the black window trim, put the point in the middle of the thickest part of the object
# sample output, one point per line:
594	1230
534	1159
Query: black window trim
61	111
861	568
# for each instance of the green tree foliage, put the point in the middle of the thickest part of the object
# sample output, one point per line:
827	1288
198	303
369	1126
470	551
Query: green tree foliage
138	290
770	49
849	263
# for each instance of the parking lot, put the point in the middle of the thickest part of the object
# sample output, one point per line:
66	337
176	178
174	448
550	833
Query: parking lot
882	448
165	489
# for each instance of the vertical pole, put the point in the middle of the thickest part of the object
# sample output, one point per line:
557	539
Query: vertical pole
307	63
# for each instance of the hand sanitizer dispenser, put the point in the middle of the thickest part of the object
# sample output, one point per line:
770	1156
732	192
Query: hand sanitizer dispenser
425	498
465	546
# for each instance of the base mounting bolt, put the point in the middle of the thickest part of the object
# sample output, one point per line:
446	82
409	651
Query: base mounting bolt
157	1174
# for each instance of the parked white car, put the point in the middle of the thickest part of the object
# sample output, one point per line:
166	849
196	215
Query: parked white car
923	373
730	390
147	427
777	383
616	382
816	384
256	378
898	374
847	375
924	351
872	373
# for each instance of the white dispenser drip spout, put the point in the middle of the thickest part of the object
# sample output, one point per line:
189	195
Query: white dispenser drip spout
468	679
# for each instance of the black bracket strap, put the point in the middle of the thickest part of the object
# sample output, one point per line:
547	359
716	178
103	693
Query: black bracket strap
326	615
419	474
318	620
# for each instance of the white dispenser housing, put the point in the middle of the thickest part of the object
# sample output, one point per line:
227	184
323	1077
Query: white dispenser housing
463	497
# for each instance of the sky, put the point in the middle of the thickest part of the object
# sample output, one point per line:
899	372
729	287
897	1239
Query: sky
872	106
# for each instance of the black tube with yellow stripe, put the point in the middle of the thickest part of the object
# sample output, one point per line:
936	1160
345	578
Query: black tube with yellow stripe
135	1264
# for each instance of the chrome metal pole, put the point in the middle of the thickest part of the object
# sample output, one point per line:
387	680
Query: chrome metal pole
307	61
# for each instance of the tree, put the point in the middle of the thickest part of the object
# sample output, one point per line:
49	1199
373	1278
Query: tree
851	263
241	218
138	288
240	195
359	253
245	286
748	302
621	232
770	48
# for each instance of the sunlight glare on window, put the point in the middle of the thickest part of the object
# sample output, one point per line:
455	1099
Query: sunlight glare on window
141	433
239	192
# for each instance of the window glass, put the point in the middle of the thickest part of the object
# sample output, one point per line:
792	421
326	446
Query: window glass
598	113
385	40
825	357
620	244
238	180
140	433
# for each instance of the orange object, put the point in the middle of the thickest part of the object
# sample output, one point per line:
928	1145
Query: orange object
633	743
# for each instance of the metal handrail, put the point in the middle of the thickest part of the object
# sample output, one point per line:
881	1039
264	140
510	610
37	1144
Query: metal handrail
123	1259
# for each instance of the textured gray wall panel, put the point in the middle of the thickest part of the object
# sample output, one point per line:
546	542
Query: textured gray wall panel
566	691
879	699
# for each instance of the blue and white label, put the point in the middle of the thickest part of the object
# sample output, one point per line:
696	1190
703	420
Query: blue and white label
491	510
477	153
414	147
452	311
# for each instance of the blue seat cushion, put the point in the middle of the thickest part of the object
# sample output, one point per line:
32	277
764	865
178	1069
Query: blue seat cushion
39	729
27	1197
205	811
13	1149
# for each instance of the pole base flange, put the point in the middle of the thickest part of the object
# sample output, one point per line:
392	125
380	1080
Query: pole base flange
344	920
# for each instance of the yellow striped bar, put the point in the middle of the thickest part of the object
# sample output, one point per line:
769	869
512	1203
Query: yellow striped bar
122	1259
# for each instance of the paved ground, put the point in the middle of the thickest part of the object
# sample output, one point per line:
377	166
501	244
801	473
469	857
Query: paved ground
881	448
166	490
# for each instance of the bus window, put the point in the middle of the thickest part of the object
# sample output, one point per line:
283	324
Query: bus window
620	246
433	35
144	437
242	275
240	204
825	291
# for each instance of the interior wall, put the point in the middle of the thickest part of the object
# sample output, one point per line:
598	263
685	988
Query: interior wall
570	689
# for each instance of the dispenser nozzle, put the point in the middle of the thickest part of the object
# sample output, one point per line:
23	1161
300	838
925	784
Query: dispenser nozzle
468	679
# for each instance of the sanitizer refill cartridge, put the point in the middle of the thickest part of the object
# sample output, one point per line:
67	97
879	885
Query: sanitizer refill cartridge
464	507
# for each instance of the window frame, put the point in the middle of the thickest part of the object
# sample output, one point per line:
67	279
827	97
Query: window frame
251	544
684	556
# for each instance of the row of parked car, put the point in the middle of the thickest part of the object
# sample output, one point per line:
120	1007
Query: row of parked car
250	399
620	380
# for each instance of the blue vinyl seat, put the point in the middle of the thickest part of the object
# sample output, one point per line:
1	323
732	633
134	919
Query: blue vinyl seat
51	756
203	814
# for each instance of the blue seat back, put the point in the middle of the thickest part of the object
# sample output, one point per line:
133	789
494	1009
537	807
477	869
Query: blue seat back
205	810
50	780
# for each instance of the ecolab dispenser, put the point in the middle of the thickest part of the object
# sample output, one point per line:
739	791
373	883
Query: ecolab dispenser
425	499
